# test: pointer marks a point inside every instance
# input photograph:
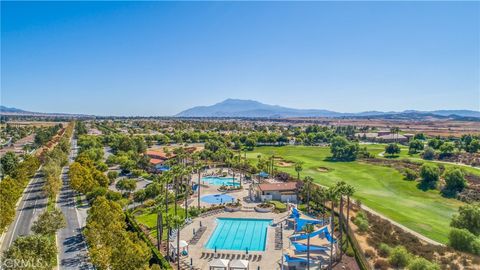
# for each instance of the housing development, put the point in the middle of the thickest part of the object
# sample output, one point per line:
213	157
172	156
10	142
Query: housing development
132	139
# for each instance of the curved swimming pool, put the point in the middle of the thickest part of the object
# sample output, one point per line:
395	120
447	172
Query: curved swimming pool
221	181
217	198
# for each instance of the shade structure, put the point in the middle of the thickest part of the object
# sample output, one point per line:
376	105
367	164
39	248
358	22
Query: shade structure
263	174
219	264
238	265
182	243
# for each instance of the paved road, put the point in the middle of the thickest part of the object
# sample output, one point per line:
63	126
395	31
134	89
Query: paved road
32	204
72	248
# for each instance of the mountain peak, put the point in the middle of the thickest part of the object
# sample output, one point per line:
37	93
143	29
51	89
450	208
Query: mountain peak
238	101
251	108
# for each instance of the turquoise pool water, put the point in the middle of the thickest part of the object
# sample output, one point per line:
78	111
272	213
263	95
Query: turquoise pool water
220	181
218	198
239	234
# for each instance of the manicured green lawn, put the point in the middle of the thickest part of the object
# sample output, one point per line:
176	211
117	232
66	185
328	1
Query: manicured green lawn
150	219
380	188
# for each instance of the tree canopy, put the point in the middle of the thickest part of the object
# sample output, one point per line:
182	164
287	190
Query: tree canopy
343	150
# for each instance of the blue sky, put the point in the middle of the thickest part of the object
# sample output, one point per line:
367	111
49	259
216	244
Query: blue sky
158	58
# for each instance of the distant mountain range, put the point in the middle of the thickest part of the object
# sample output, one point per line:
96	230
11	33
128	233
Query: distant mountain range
255	109
19	112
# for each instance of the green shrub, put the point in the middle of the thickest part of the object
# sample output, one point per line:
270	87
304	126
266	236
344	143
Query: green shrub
410	174
361	215
279	206
454	181
463	240
362	224
384	250
361	221
430	174
149	203
194	211
419	263
468	218
112	175
399	257
476	246
113	195
96	192
428	153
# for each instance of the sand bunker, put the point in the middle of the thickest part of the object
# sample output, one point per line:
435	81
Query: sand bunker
323	169
284	164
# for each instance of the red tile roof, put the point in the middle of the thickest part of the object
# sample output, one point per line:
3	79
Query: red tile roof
278	186
158	154
155	161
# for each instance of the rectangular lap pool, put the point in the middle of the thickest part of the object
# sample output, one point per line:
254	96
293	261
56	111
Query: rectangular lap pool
239	234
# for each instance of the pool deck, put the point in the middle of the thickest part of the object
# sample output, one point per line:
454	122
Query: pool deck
271	257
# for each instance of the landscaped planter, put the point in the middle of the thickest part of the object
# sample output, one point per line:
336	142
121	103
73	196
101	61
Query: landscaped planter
229	190
264	209
229	208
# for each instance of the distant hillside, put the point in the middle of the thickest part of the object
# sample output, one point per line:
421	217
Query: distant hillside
254	109
11	111
4	109
251	108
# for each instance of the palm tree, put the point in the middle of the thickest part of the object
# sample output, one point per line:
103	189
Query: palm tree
198	167
341	192
187	190
395	130
349	191
159	208
307	184
298	168
308	229
168	223
332	195
272	164
177	221
176	173
167	178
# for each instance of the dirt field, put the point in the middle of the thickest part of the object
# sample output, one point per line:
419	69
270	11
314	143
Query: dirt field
36	123
434	127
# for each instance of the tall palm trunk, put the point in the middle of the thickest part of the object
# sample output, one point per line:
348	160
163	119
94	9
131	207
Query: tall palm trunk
166	219
199	185
340	223
159	230
187	195
175	186
168	240
332	226
324	211
348	216
308	252
178	247
308	200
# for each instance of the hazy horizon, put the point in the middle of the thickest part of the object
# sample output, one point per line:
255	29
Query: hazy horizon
160	58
